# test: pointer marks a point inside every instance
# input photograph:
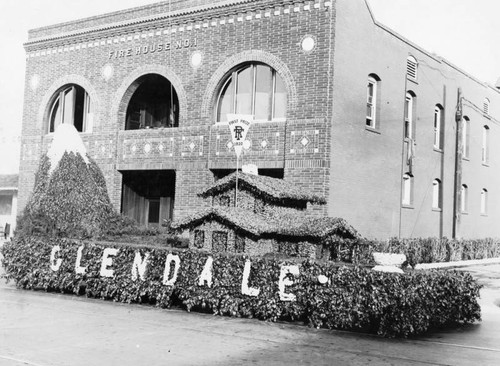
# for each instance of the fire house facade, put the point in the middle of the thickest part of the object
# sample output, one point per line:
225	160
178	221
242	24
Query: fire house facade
342	106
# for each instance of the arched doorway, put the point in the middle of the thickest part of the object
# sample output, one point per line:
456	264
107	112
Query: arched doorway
154	104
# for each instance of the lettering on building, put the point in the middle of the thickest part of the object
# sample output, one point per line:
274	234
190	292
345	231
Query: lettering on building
152	48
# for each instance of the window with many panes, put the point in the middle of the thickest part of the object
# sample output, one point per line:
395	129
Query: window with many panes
71	105
409	117
438	127
255	89
371	101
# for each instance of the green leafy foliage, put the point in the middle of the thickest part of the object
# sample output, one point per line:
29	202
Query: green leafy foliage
430	250
72	201
354	297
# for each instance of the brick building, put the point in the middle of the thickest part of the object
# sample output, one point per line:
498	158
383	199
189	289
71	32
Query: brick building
343	106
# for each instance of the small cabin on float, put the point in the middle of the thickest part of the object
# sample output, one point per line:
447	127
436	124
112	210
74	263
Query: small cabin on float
266	216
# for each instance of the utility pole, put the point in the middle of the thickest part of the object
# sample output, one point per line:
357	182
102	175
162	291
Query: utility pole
457	194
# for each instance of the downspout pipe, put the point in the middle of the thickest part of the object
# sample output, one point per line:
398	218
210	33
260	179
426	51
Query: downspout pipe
457	192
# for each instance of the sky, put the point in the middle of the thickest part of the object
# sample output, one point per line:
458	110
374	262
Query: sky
462	31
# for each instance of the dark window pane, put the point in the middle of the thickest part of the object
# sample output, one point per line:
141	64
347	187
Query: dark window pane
199	238
154	211
55	117
240	244
226	101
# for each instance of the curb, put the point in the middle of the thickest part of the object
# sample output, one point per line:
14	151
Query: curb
473	262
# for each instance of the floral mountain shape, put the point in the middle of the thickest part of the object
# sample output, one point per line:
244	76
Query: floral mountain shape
66	139
70	197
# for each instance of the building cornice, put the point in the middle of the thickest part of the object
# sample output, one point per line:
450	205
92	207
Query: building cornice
175	17
181	21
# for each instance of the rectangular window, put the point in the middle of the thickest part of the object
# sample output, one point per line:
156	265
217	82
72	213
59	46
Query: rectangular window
199	238
436	194
219	241
5	205
463	198
408	126
486	145
407	198
465	137
244	92
263	84
258	206
371	101
437	127
224	200
484	201
239	244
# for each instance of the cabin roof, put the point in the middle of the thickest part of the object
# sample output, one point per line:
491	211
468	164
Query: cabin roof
284	226
269	188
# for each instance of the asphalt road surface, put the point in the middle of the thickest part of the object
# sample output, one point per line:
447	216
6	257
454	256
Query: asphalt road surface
42	329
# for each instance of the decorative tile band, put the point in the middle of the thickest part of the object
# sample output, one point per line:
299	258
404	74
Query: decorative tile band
232	19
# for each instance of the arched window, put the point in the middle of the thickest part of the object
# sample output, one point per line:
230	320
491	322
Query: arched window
484	201
436	194
411	68
486	106
486	145
407	198
438	126
371	100
409	115
71	104
465	137
254	89
464	197
154	104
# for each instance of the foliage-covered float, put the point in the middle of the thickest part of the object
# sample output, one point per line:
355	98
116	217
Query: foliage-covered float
268	216
60	247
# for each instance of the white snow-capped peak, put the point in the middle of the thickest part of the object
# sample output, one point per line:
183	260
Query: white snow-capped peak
66	139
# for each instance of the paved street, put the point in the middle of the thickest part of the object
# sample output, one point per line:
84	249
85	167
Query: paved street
43	329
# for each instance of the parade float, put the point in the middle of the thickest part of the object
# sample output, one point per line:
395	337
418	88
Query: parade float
257	252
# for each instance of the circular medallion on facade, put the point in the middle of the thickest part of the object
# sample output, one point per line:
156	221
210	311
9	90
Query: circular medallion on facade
322	279
107	71
196	59
34	82
308	43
